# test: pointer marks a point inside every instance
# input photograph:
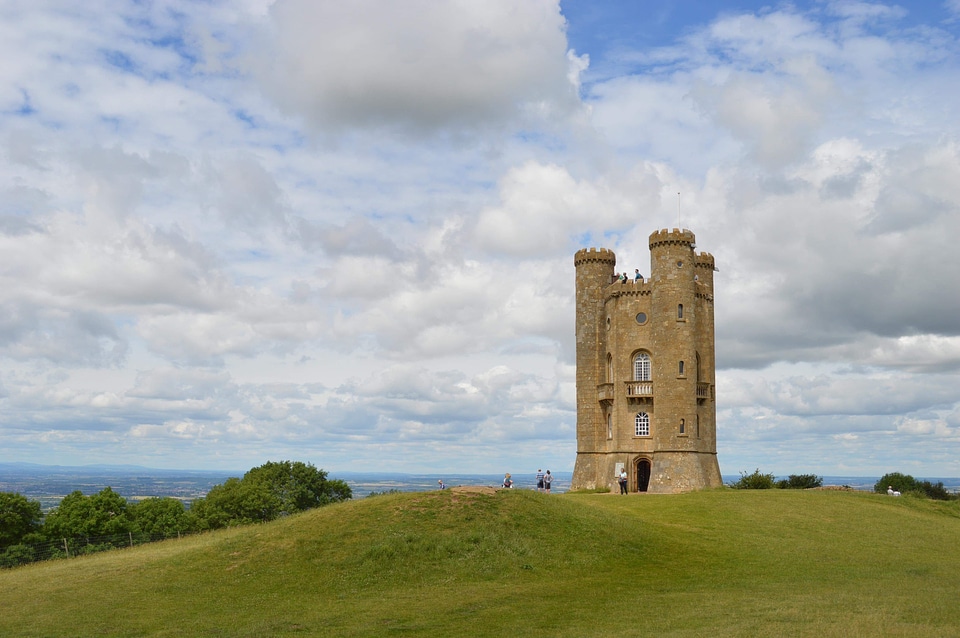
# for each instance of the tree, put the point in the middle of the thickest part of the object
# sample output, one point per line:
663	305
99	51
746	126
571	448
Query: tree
231	503
265	493
298	486
19	516
160	516
103	514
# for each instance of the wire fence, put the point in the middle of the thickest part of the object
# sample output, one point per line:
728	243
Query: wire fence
24	553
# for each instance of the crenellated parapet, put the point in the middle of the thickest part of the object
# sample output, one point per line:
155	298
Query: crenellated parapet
667	237
595	256
628	289
705	261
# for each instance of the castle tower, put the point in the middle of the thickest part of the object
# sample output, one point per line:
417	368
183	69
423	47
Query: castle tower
646	370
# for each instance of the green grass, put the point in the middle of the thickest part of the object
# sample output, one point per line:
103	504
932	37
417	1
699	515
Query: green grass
517	563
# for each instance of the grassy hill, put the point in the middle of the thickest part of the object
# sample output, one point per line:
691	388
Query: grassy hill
518	563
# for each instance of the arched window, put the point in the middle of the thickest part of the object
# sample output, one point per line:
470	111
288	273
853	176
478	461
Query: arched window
641	367
680	369
680	311
642	424
683	426
609	368
609	425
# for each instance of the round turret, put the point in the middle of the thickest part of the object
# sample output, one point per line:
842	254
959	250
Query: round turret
594	256
594	272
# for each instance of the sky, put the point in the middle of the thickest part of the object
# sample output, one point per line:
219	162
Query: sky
343	233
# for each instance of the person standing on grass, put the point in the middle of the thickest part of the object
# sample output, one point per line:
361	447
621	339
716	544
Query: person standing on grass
539	480
547	480
623	481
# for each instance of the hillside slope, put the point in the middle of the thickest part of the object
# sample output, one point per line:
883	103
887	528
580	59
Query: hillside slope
454	563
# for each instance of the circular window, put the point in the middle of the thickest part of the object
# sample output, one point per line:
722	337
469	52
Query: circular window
641	317
679	264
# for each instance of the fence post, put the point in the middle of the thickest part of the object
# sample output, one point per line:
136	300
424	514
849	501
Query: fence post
65	548
131	538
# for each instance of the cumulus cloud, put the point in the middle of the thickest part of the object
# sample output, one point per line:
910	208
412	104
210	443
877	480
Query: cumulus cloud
773	116
543	207
419	65
214	247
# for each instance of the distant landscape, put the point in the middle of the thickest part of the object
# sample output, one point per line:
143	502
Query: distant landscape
48	484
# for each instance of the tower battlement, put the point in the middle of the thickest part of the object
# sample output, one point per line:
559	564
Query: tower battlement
675	236
594	255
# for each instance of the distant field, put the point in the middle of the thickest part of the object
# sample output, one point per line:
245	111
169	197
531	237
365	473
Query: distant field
49	484
518	563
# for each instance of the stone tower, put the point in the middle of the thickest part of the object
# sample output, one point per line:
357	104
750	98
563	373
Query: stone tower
646	370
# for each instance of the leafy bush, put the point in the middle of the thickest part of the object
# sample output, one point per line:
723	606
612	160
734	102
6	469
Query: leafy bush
800	482
936	491
755	481
16	555
906	484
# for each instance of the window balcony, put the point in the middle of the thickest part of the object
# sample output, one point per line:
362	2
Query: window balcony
704	391
605	392
639	389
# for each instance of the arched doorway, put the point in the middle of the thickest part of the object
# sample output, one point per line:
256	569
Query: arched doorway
643	474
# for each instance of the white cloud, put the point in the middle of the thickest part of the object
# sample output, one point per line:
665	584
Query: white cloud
420	65
544	206
773	116
188	274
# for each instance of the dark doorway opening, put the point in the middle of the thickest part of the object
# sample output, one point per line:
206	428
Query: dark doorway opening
643	475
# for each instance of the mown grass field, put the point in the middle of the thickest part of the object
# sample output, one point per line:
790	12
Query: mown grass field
518	563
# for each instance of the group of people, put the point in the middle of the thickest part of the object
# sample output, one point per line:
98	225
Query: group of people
622	277
543	481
